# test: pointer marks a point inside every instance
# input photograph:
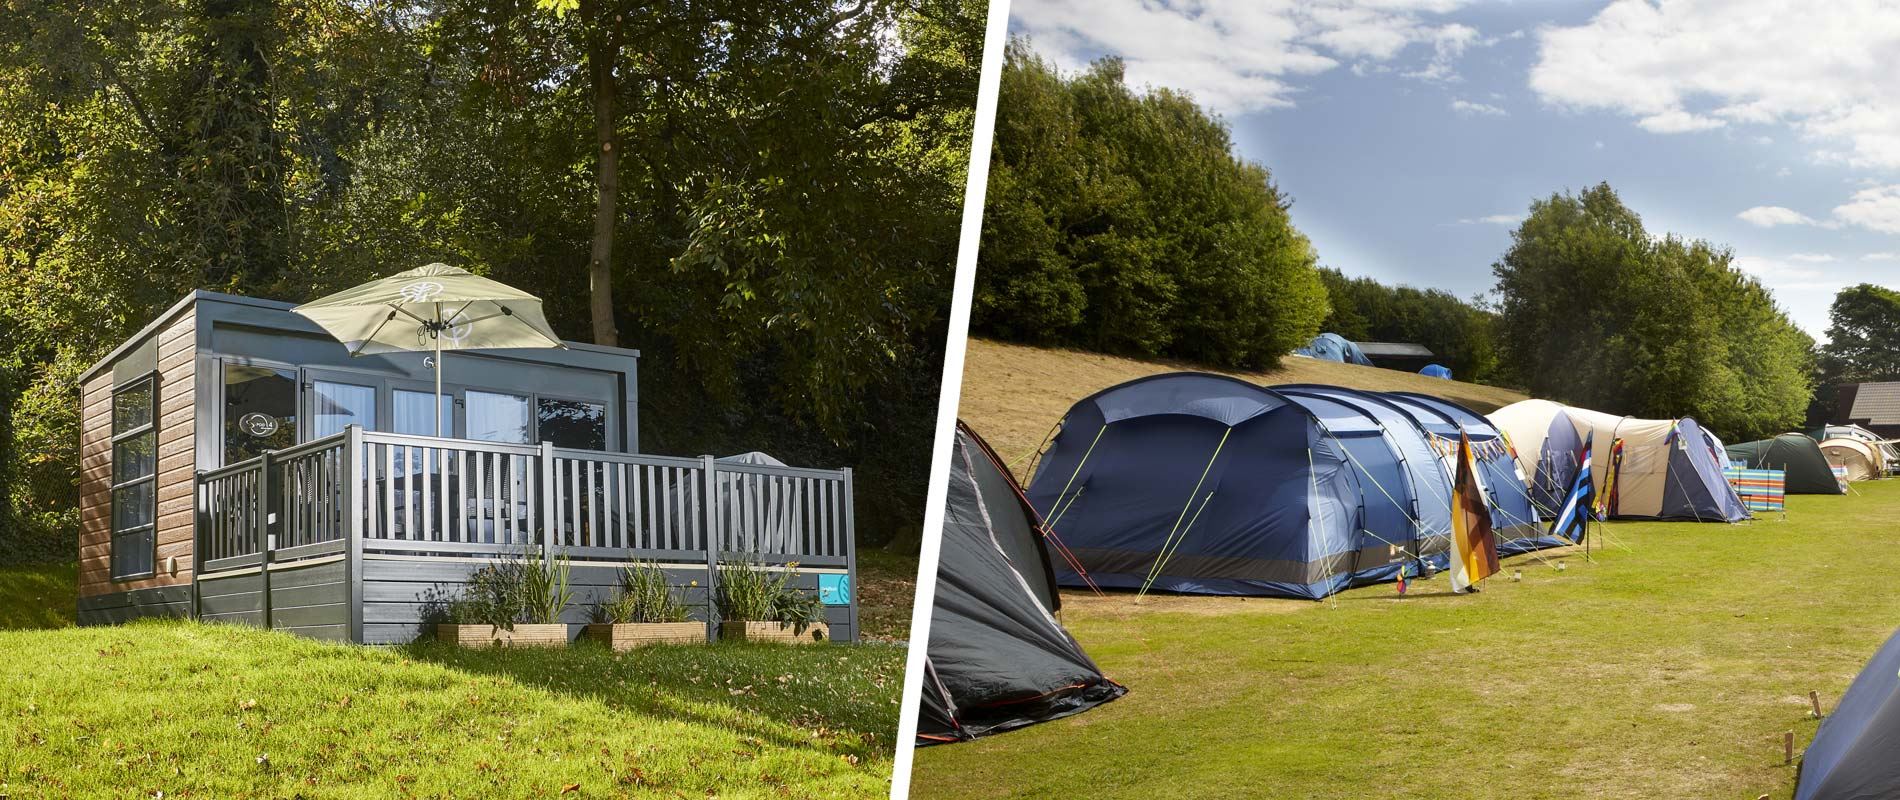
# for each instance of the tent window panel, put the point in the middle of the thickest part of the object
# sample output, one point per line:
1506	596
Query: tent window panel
134	481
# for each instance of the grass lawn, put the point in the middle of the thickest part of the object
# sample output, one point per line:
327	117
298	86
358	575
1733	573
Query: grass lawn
1670	667
196	710
38	596
887	586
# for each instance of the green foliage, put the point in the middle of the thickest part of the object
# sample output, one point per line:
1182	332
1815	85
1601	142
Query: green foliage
516	589
1863	335
645	596
750	591
790	177
1594	311
1122	222
1459	333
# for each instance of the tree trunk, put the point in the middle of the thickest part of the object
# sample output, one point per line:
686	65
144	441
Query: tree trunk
602	54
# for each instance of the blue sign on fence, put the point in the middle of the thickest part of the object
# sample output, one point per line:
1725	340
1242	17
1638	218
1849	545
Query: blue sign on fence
834	589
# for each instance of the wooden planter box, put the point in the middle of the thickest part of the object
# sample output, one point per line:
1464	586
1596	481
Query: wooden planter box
736	631
524	635
629	635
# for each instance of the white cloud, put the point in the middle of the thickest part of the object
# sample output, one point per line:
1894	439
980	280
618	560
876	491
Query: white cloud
1469	108
1876	209
1824	71
1882	256
1599	144
1770	216
1783	172
1494	219
1812	258
1239	56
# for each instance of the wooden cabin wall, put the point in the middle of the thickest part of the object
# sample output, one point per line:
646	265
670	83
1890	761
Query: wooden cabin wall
177	385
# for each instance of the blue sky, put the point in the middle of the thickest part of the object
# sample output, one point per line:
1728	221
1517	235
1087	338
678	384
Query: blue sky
1412	134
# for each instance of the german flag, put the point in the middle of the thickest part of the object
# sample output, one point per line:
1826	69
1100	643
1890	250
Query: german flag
1474	548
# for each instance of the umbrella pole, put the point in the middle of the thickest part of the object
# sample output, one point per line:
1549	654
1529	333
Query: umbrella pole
436	336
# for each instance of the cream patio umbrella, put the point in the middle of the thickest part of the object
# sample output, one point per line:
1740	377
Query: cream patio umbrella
432	308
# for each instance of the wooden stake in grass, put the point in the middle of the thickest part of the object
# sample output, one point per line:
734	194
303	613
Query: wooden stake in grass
1814	697
1787	748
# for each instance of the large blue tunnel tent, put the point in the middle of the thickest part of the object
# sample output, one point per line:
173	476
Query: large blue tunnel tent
1191	482
1512	513
1333	347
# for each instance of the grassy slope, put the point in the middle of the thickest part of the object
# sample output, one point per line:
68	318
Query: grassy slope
1013	394
38	596
219	711
1668	668
889	583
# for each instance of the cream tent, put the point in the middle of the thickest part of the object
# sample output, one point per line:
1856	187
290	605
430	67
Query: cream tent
1548	448
1671	468
1862	459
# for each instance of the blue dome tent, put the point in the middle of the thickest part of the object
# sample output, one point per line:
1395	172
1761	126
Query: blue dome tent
1333	347
1436	371
1201	483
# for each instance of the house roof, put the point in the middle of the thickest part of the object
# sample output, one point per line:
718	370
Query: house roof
1878	403
1394	350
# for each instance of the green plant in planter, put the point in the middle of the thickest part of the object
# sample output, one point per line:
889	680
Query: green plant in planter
645	596
749	591
517	589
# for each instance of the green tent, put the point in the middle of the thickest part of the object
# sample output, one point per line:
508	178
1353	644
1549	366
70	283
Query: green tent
1798	455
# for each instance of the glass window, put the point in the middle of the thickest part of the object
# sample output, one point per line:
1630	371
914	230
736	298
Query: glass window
134	485
494	417
337	405
260	411
414	415
572	423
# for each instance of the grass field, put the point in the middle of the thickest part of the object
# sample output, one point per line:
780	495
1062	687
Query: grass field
1013	394
1669	667
37	596
195	710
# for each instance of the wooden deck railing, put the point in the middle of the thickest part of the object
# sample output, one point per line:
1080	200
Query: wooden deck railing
421	494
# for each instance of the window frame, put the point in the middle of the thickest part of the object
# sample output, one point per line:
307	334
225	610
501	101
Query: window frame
113	532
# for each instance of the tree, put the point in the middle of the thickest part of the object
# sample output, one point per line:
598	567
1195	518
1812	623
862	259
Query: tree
1459	333
1122	222
1863	335
1594	311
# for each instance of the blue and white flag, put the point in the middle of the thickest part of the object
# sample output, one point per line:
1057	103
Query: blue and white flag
1575	515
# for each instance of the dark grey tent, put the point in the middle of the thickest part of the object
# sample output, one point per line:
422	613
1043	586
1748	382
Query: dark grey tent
1807	467
1856	753
998	658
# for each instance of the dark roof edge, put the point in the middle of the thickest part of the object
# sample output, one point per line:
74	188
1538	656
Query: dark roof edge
196	295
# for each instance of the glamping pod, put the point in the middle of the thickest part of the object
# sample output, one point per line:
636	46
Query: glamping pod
1513	515
1856	753
998	660
1190	482
1806	467
1671	469
1549	450
1862	459
1333	347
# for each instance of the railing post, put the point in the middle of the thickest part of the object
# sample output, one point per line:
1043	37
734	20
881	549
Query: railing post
355	476
266	541
851	555
200	507
550	511
713	537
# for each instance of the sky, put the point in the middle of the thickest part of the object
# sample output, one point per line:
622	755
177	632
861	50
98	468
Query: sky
1412	135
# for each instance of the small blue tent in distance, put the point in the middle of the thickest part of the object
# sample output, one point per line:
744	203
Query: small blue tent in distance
1190	482
1436	371
1333	347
